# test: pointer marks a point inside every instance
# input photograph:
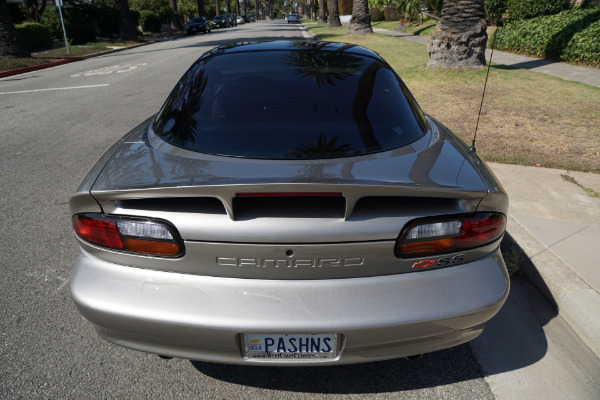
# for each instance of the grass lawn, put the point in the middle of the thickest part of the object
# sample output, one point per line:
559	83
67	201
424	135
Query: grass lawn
423	30
60	53
389	25
527	118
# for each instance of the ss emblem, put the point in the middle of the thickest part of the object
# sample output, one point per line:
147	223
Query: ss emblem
451	260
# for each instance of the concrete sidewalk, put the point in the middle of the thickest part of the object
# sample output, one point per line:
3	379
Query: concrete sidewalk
587	75
557	224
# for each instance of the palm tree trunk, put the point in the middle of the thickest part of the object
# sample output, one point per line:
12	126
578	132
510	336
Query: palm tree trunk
11	44
201	8
176	22
460	37
334	14
217	7
126	23
322	17
360	22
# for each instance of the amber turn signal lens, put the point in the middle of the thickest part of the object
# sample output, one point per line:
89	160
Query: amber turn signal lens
151	247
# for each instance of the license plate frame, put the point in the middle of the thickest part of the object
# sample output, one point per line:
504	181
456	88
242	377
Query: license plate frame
291	347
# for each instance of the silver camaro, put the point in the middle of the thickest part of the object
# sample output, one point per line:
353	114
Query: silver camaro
290	204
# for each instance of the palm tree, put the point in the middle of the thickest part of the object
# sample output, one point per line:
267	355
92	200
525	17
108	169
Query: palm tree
460	37
201	8
11	44
360	22
334	14
323	67
323	147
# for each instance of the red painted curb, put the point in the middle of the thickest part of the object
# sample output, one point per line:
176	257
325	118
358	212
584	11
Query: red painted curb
22	70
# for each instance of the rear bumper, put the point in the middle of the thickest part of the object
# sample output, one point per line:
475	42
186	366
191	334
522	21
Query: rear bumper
202	318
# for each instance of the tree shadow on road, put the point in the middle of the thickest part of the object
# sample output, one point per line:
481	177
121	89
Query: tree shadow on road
435	369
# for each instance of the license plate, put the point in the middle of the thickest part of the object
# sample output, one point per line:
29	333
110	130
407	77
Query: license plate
291	346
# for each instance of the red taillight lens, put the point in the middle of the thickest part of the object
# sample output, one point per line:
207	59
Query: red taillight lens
433	236
135	235
97	230
480	230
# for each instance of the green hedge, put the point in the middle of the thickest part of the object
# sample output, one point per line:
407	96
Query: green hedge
149	21
570	36
36	36
376	14
494	10
524	9
84	23
77	32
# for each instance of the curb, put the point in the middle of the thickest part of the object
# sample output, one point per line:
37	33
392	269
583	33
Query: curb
102	53
37	67
22	70
577	302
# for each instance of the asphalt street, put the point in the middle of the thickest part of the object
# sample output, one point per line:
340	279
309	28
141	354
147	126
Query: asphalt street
54	124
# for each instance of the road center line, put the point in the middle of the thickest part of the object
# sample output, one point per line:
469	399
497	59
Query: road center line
63	88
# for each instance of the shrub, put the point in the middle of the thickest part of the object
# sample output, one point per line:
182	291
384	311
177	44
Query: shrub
82	20
494	10
51	20
390	13
36	36
569	36
136	16
80	32
16	13
107	22
524	9
161	8
376	14
149	21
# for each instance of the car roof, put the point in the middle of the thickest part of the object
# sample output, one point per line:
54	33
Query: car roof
286	45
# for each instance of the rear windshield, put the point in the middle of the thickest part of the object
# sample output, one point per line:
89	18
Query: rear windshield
298	104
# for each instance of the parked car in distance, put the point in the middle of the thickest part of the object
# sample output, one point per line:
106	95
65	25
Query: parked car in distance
293	17
251	18
232	19
218	231
240	20
197	24
220	21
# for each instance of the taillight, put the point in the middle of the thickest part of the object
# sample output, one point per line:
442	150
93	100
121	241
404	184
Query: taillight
431	236
136	235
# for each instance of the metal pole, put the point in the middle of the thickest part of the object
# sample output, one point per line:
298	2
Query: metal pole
58	4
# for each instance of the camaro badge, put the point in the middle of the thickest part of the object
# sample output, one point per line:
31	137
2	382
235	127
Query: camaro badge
423	264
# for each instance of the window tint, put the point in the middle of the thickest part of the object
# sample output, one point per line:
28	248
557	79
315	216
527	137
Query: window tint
299	104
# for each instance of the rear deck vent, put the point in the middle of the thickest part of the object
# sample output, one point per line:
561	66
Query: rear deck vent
246	208
201	205
396	206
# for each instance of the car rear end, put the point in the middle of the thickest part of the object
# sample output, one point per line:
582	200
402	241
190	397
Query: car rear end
305	259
